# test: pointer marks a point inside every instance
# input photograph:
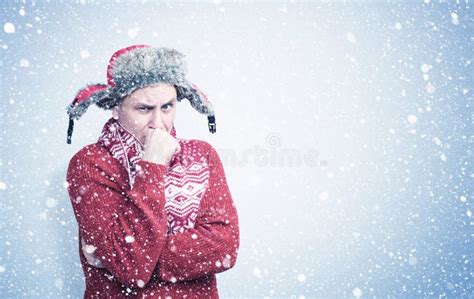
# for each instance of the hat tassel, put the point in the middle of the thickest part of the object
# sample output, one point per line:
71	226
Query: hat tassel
69	130
211	119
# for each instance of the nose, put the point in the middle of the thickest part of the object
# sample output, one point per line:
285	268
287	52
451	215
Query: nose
156	121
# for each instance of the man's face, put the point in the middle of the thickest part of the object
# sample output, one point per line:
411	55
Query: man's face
150	107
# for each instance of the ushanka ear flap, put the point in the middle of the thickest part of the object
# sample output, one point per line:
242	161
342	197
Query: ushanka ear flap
199	102
92	94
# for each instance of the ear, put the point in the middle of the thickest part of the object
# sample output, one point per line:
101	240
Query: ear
115	114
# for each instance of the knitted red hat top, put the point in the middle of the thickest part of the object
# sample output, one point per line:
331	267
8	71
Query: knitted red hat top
110	66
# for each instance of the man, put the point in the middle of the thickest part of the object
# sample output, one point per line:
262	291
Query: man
156	218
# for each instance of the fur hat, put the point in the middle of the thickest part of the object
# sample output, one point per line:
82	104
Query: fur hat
135	67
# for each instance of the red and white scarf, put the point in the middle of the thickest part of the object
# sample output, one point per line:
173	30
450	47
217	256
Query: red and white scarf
123	146
186	179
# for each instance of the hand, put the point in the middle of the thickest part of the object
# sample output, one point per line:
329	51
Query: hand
160	146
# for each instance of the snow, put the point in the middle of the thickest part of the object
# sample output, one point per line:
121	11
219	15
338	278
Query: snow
9	28
132	32
84	54
350	37
59	283
356	292
24	63
412	119
454	18
129	239
412	260
226	261
140	283
51	202
425	68
256	272
443	157
430	88
90	249
301	278
323	195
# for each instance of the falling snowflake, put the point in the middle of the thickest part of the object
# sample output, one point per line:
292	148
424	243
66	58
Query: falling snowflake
9	28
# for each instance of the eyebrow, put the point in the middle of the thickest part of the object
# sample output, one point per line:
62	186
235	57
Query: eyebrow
153	106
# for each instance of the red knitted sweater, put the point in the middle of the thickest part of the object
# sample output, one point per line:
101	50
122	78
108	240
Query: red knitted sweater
125	244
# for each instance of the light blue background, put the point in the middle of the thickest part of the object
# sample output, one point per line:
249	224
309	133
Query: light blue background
386	210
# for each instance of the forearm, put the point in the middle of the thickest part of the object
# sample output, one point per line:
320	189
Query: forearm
204	250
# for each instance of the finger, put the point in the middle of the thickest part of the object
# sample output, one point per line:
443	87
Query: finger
148	135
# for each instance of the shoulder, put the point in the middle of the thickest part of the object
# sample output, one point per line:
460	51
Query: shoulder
93	156
89	153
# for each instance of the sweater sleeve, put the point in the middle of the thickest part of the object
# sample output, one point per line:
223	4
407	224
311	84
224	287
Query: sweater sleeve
211	246
124	229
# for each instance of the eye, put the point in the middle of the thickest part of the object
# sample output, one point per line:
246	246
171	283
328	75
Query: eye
167	107
143	109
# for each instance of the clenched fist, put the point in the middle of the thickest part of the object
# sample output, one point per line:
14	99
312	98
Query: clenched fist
160	147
